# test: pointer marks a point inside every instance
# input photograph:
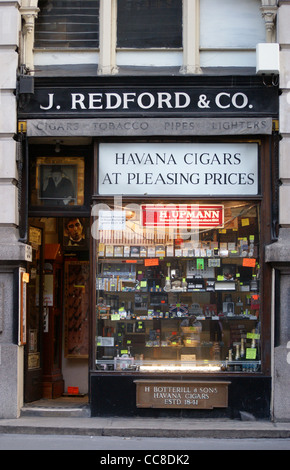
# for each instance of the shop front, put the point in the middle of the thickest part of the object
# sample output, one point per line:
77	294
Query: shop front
164	303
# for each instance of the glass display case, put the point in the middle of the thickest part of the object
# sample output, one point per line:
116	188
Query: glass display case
180	298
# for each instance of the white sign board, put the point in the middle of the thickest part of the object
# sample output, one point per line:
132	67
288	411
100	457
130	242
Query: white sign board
178	169
112	220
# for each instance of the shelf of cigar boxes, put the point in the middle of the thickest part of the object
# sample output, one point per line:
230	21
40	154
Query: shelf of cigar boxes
123	244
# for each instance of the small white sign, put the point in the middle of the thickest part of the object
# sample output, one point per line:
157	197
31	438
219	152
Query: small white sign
112	220
28	253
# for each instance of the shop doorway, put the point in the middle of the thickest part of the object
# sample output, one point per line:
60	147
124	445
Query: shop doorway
33	369
59	298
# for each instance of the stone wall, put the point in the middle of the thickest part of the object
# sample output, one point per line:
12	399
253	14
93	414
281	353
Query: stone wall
11	251
278	254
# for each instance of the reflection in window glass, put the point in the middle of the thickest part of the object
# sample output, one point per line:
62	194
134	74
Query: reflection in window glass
67	24
230	23
147	23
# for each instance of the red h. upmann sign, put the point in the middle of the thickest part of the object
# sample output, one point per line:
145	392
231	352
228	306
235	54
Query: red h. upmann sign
183	215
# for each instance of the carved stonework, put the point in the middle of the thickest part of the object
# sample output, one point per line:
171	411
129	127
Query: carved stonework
29	19
29	11
269	12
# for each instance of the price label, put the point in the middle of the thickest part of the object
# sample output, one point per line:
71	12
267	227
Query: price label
251	353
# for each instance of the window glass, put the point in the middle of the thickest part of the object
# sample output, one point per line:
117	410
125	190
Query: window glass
178	287
230	24
67	24
149	23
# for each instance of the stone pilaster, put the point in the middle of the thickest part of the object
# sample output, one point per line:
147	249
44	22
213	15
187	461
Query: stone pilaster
12	252
278	254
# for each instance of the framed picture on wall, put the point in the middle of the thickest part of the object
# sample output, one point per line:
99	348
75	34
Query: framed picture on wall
59	181
75	233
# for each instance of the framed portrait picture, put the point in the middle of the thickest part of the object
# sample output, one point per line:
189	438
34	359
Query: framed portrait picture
59	181
75	233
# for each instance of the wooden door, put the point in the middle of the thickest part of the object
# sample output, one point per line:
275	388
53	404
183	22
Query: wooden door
53	383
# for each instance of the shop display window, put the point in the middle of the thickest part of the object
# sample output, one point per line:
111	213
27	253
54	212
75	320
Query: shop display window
178	287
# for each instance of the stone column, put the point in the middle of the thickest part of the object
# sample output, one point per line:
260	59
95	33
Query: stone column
108	37
12	252
29	11
278	254
191	20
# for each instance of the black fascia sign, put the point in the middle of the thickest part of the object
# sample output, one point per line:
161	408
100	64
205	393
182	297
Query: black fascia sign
136	102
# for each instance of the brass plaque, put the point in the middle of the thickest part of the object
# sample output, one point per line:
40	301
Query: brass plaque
191	394
34	361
